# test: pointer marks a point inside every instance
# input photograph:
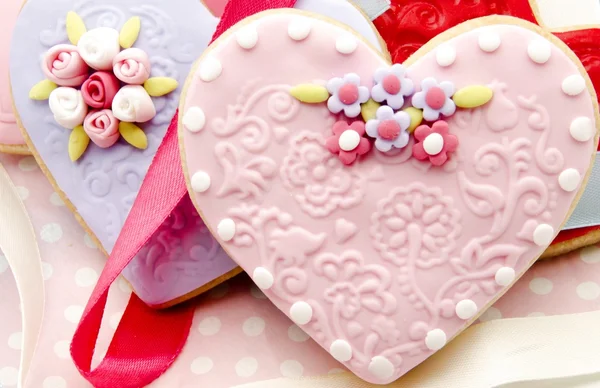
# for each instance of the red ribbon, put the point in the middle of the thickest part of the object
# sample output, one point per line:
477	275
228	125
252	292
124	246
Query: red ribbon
147	341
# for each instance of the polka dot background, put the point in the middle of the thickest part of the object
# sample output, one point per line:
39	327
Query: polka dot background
238	336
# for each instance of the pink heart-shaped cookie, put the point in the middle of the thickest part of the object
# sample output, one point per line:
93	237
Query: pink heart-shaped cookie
407	236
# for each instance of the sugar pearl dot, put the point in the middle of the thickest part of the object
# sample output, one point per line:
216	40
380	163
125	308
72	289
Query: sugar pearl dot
226	229
433	144
505	276
539	50
489	41
381	367
573	85
210	69
436	339
569	179
543	235
194	119
200	182
263	278
445	55
349	140
466	309
247	37
341	350
299	28
582	129
346	44
301	313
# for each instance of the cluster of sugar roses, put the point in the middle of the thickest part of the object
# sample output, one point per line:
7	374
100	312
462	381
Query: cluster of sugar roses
391	110
98	90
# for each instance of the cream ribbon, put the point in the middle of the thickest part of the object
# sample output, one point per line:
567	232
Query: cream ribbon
19	245
559	348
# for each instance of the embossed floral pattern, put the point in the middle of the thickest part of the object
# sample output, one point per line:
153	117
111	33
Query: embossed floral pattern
435	99
346	95
392	86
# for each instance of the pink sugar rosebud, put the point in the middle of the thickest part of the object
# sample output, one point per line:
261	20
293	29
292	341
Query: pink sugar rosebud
100	89
102	127
132	66
64	66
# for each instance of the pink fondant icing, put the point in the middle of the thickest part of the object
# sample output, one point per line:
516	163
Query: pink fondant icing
426	237
99	90
132	66
102	127
64	66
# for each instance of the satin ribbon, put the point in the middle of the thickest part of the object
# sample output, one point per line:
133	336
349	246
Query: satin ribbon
19	245
559	349
587	211
147	341
373	8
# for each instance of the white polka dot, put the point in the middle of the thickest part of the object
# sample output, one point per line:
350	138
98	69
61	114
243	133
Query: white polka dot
115	319
247	36
246	367
573	85
301	313
569	179
87	240
253	327
8	376
588	290
201	365
466	309
194	119
296	334
54	382
263	278
56	200
536	314
433	144
86	277
219	291
590	255
349	140
291	369
489	41
226	229
299	28
341	350
445	55
61	349
505	276
14	340
582	129
209	326
200	182
47	270
257	293
51	233
28	163
210	69
3	264
23	192
543	235
73	313
541	286
346	44
436	339
539	50
490	314
381	367
124	285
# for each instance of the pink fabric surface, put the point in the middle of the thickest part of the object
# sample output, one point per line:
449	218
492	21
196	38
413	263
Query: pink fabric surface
238	336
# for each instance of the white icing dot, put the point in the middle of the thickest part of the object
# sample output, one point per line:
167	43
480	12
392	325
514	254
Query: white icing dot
381	367
489	41
246	367
466	309
582	129
86	277
54	382
254	326
590	255
436	339
200	182
8	376
209	326
210	69
505	276
56	200
14	340
539	50
569	179
291	369
51	233
73	313
296	334
299	28
226	229
61	349
490	314
541	286
349	140
23	192
346	44
194	119
433	144
301	313
445	55
573	85
247	37
543	235
201	365
263	278
588	290
341	350
47	270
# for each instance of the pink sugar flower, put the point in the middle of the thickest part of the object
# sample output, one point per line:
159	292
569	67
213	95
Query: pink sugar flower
434	143
348	141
